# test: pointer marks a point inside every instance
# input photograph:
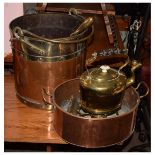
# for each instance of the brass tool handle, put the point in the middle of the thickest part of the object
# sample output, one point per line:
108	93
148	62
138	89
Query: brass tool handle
146	86
84	25
49	103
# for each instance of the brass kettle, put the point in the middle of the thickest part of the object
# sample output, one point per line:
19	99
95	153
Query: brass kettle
102	88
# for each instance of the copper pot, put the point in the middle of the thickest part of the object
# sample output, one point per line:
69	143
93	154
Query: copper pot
102	88
45	55
92	132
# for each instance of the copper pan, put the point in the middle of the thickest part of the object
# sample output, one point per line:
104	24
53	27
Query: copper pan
93	132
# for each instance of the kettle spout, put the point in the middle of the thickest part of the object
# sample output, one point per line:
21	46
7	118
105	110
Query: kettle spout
135	65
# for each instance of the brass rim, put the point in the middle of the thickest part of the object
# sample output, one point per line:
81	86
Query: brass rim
59	40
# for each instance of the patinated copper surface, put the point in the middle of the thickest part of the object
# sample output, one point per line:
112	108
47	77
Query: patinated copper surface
36	74
93	132
31	77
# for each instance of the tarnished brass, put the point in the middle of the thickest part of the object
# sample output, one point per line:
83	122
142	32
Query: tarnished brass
102	88
48	47
85	24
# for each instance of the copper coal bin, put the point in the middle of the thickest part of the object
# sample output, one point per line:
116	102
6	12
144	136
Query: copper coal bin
97	122
48	49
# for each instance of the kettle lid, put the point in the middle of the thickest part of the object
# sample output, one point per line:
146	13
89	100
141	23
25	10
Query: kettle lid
103	73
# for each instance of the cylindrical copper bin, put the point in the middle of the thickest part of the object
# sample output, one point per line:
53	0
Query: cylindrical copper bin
95	131
43	54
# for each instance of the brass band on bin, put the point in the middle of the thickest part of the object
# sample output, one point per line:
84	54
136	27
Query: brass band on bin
51	58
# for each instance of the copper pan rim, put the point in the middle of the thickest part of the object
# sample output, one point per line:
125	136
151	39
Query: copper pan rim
97	119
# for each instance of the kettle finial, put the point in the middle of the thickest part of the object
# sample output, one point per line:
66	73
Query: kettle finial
104	68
